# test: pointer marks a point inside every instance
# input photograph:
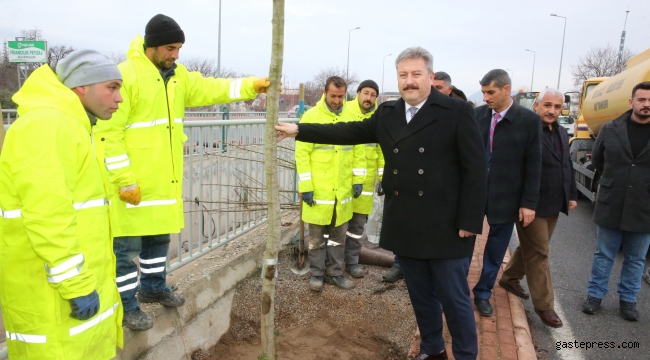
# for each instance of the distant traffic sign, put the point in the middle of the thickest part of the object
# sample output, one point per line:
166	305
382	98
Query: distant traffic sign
27	51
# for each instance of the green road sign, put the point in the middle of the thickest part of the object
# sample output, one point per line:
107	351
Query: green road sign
27	51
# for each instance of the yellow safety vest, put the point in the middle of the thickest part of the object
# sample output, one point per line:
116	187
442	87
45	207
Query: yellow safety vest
56	243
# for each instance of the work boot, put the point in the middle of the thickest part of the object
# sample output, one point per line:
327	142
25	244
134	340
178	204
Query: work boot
316	283
164	298
393	274
355	270
629	311
137	320
591	305
340	281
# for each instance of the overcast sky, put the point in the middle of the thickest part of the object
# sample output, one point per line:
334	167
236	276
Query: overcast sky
467	38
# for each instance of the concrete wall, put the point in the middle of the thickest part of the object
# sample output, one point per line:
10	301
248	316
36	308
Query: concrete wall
205	317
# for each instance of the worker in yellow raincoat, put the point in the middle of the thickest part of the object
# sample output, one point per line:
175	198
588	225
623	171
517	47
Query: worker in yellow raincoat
329	177
142	149
57	268
362	108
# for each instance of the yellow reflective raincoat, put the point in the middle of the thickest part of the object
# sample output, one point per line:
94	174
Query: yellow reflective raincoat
143	142
56	244
374	164
328	170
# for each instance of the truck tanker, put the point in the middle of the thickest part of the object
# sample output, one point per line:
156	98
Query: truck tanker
603	99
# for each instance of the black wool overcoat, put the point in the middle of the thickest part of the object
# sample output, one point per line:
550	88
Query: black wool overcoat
434	177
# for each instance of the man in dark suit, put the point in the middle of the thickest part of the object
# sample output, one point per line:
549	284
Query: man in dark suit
434	180
512	142
557	194
621	155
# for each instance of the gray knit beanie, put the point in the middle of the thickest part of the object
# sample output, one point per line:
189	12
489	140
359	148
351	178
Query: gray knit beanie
86	67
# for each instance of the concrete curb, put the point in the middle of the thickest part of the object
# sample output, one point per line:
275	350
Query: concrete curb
523	339
205	317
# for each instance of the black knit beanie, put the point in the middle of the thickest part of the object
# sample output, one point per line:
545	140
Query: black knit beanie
162	30
370	84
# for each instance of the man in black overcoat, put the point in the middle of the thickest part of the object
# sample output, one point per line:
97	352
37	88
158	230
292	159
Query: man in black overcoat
435	183
557	194
511	140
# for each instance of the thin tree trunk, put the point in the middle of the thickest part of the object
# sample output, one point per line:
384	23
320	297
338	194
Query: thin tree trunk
270	266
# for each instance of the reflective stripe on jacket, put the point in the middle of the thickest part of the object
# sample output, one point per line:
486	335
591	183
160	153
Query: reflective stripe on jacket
327	170
55	243
143	142
374	160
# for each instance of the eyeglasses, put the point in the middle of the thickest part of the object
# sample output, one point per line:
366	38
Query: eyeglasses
371	94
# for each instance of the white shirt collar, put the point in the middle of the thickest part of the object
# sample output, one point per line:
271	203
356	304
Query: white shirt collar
407	106
503	113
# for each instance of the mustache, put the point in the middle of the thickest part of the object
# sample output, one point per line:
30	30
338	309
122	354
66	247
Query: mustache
411	86
645	108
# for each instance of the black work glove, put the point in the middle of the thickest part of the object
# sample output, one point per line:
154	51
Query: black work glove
380	189
308	198
357	189
85	307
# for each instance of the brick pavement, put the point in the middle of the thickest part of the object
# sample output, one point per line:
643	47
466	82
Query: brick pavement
505	335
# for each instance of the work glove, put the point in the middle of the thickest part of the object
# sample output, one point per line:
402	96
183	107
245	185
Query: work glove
356	190
262	85
85	307
130	194
308	198
380	189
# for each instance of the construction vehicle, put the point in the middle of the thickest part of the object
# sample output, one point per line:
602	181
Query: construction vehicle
603	99
527	99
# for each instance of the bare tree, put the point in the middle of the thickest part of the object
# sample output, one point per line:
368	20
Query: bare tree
599	62
324	74
269	269
56	53
117	57
207	67
313	92
33	34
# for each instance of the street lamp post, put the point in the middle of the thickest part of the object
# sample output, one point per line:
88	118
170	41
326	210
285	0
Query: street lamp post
219	44
533	75
382	72
347	67
562	52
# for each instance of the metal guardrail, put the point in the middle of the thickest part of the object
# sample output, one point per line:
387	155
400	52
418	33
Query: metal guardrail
232	115
10	115
224	185
224	189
